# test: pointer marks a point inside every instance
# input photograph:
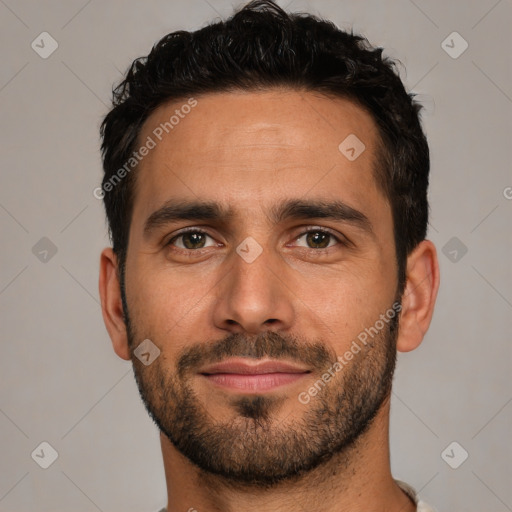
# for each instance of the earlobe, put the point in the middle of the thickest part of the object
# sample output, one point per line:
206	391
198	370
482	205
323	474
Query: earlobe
419	296
111	303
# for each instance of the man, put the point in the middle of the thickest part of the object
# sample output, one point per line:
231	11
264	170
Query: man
266	192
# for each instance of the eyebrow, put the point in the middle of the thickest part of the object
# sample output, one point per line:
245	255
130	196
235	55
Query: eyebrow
294	209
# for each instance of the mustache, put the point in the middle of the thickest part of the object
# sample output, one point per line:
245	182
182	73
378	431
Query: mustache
267	344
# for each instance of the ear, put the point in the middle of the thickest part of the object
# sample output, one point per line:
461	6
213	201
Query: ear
111	303
419	296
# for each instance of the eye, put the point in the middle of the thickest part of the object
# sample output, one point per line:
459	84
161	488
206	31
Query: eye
318	239
191	240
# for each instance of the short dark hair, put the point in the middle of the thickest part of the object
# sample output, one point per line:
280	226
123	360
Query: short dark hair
262	47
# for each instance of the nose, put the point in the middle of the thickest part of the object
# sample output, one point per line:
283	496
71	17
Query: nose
254	296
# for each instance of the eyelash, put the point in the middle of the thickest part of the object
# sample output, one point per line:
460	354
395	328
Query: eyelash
342	241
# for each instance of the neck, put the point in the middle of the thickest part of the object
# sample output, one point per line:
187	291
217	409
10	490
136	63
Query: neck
357	479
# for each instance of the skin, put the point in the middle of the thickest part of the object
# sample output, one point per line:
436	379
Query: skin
250	151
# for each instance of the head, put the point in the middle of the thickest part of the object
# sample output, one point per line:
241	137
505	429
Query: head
294	157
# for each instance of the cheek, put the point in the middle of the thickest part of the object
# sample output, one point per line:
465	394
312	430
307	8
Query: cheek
346	303
167	306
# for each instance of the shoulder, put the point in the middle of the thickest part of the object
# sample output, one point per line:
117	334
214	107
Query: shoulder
421	506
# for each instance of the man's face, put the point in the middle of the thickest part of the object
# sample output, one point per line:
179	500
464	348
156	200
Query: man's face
265	275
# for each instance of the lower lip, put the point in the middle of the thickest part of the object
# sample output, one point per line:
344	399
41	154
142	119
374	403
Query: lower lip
254	383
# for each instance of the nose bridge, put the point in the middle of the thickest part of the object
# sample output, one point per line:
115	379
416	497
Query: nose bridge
253	296
251	270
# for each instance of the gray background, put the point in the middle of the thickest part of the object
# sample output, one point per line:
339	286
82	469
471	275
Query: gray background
61	381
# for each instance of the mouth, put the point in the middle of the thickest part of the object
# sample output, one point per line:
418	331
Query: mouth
242	374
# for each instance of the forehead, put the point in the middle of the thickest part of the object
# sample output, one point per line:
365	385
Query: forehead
245	147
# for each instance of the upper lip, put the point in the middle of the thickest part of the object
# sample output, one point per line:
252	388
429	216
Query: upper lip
252	367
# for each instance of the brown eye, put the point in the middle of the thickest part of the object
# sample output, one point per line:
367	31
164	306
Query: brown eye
318	239
190	240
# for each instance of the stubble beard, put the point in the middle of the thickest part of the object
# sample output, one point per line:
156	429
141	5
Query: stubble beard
256	447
